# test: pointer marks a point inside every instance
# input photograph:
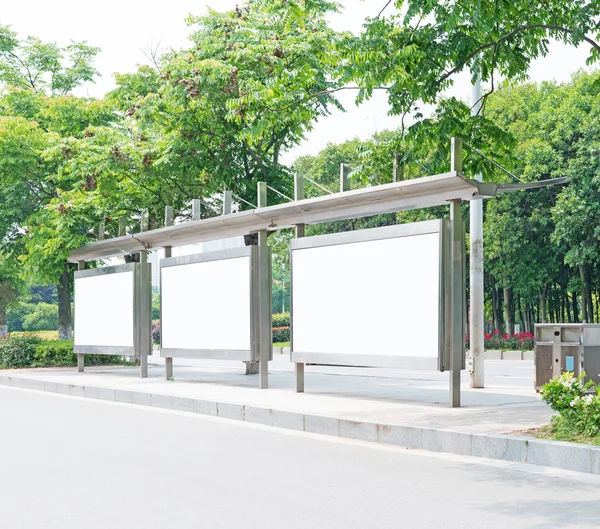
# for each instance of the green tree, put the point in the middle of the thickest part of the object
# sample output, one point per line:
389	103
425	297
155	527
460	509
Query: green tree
31	64
210	108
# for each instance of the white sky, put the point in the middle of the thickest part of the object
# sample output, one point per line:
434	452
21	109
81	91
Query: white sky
124	28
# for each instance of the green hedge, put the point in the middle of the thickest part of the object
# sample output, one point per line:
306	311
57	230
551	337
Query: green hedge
31	351
281	320
281	334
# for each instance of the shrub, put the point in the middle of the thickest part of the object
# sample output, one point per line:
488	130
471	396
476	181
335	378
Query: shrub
281	320
43	318
522	341
560	392
578	409
18	352
60	353
31	351
281	334
156	331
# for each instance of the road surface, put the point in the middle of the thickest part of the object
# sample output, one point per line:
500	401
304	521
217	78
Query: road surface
70	463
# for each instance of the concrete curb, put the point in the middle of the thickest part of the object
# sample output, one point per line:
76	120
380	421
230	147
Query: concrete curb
566	456
495	354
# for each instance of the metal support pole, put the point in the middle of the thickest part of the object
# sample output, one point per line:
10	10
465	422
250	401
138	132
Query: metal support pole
344	178
457	339
196	209
476	301
145	221
227	201
80	356
145	313
456	155
265	342
144	316
298	367
169	222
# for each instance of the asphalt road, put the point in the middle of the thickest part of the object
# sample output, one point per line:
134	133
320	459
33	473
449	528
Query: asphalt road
70	463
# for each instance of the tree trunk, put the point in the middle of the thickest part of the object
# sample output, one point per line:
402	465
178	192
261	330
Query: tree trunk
521	318
575	308
584	305
543	303
510	329
3	326
65	330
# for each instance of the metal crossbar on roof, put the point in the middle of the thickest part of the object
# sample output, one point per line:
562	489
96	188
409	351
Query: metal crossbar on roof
398	196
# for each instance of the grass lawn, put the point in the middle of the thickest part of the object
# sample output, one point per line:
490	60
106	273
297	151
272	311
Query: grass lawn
44	335
281	344
549	433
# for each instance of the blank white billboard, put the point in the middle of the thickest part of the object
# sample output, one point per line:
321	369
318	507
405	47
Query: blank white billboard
206	305
104	310
376	297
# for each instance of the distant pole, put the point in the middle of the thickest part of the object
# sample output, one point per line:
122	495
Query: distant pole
476	303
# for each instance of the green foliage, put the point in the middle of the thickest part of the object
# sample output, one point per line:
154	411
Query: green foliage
36	65
561	392
578	407
281	334
44	317
31	351
281	320
415	53
18	352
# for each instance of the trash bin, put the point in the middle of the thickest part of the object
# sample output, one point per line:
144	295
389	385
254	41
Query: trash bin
562	347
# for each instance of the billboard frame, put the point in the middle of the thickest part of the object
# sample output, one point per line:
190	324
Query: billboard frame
442	362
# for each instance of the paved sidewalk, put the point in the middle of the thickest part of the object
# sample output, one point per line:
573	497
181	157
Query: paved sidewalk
398	407
395	397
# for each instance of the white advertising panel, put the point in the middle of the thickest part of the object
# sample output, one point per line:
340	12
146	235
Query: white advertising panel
104	310
369	298
206	305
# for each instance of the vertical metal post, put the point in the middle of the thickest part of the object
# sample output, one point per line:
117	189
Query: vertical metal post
476	302
344	178
457	338
456	155
227	201
168	222
298	367
145	221
196	209
265	343
80	356
145	304
398	171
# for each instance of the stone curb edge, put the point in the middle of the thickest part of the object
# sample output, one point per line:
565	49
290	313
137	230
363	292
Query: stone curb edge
555	454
